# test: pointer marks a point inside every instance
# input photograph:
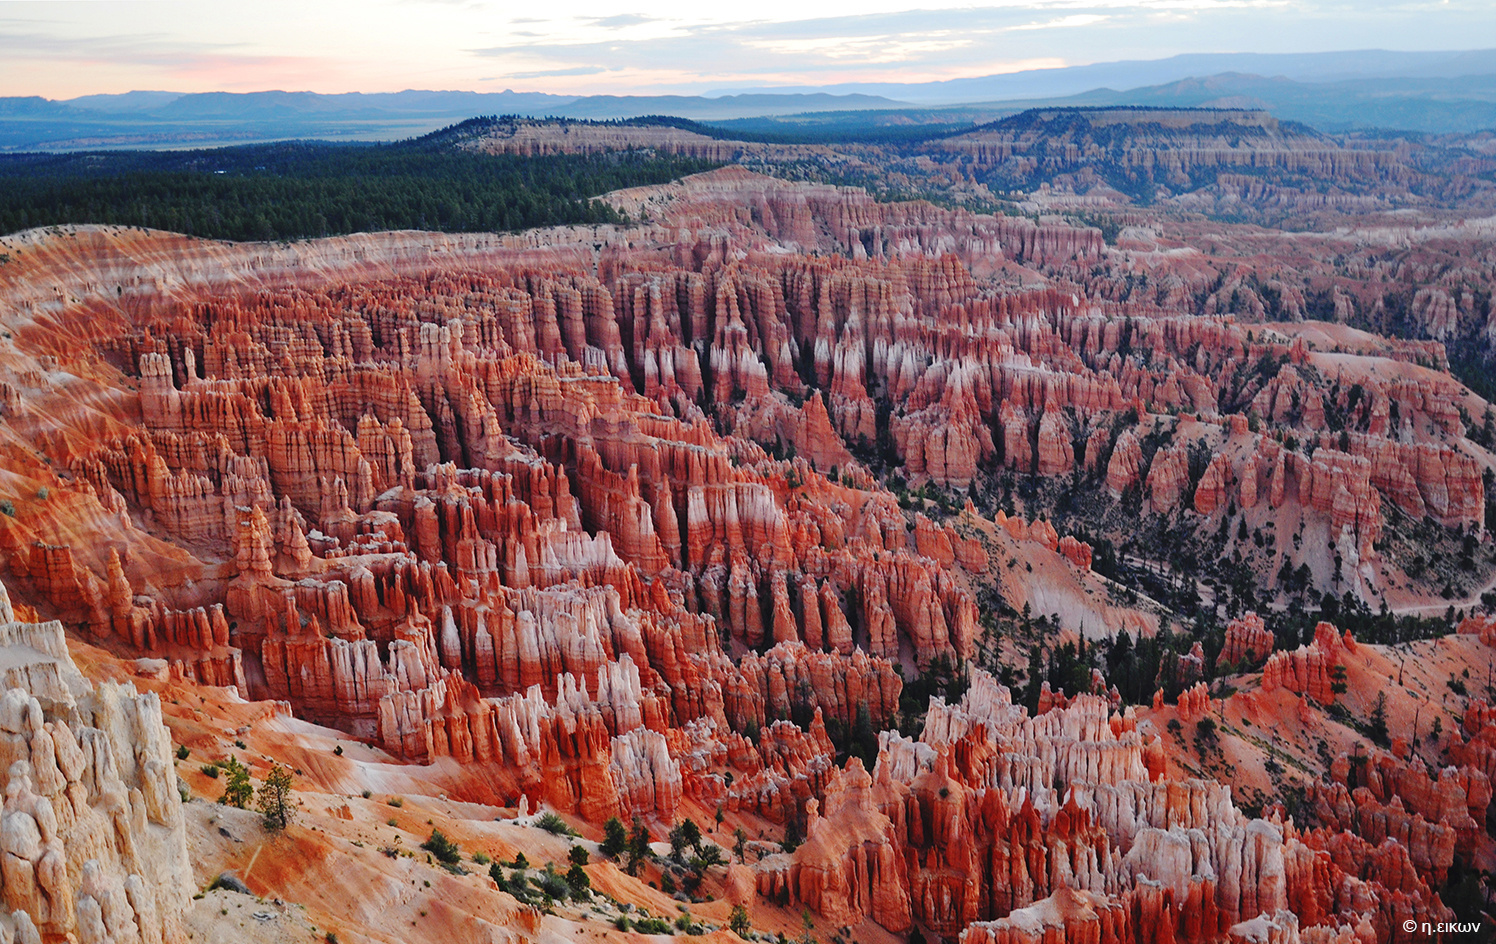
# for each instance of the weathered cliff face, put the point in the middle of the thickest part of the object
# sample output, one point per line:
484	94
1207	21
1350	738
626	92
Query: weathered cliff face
1219	159
1309	670
1248	641
1018	829
94	846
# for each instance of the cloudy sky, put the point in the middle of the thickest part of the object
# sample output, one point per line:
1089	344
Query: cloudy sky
70	48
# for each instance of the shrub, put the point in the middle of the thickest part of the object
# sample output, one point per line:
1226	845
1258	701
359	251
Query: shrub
517	885
182	752
396	802
578	855
481	857
553	824
444	849
210	770
552	885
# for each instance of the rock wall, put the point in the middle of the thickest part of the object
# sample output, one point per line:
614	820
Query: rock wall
1003	827
92	830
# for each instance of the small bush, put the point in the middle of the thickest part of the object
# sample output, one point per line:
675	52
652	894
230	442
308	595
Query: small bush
182	752
552	885
396	802
338	751
553	824
210	770
368	793
481	857
443	848
518	885
8	508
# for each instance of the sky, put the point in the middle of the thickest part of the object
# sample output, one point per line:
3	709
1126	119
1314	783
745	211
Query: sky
77	47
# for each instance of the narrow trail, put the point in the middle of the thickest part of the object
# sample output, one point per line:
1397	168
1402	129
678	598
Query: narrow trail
1435	609
251	866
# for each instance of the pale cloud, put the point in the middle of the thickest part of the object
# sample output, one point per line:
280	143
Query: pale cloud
878	49
669	46
622	19
1065	22
548	73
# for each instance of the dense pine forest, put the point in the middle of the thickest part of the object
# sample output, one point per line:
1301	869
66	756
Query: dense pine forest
296	190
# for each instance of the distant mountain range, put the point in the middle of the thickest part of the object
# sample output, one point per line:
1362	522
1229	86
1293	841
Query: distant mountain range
1414	91
168	119
1317	67
1427	105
